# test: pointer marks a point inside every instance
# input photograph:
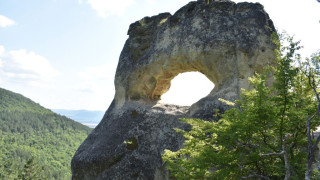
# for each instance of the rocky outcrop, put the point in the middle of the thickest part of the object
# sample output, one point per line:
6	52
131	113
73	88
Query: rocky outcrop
225	41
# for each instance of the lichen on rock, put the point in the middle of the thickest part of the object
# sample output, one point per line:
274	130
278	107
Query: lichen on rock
225	41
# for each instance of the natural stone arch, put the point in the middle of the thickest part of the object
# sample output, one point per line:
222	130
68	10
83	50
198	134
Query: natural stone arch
158	49
225	41
155	81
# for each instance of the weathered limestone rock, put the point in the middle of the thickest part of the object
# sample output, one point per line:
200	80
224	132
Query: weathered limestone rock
225	41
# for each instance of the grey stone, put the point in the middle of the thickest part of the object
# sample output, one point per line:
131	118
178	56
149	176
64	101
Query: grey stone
225	41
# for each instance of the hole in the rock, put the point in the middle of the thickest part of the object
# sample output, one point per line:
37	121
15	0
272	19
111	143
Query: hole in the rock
132	143
134	114
187	88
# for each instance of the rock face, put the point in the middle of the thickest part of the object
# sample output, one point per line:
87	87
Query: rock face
225	41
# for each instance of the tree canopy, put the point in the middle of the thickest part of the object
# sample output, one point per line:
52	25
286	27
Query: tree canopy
35	143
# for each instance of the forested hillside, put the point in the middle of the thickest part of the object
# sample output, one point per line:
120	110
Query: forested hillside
35	143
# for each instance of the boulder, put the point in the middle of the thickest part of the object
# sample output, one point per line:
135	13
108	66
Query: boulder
225	41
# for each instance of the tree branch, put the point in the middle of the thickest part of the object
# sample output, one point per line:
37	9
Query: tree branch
252	174
272	154
285	155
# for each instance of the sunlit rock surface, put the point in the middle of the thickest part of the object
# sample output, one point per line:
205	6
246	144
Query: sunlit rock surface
225	41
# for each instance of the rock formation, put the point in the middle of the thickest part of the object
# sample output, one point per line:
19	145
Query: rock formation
225	41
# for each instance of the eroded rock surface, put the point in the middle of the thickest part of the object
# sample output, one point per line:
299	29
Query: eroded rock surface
225	41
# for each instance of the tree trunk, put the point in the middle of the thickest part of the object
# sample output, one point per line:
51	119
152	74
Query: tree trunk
310	151
286	158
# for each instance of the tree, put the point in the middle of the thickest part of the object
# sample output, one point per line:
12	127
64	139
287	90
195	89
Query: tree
312	71
31	171
262	137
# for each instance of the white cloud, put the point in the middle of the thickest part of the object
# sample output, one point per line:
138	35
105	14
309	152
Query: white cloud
107	8
25	67
151	1
1	50
5	22
98	72
95	79
96	86
1	54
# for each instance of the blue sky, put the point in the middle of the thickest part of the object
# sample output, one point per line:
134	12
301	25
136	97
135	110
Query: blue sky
63	53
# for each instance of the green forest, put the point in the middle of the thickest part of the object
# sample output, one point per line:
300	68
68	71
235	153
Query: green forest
267	133
35	143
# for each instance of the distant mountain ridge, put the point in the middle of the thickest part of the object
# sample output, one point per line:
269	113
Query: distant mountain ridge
86	117
35	143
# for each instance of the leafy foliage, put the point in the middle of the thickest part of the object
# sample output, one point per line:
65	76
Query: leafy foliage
35	143
262	137
312	71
